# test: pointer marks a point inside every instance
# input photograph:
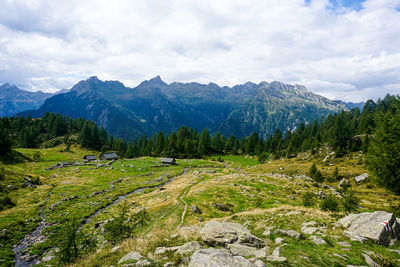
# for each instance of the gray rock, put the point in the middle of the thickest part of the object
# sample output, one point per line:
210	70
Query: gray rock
344	244
212	257
369	261
290	233
221	207
131	256
240	250
115	249
223	233
343	183
317	240
275	256
361	177
279	240
339	256
187	248
143	263
371	226
195	209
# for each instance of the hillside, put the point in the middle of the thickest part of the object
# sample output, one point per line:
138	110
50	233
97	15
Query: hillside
14	100
178	201
155	106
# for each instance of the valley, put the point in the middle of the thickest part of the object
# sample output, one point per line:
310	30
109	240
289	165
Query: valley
179	200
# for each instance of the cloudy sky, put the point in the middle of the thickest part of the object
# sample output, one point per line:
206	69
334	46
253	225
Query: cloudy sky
342	49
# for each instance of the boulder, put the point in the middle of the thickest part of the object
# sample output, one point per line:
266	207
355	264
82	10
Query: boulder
290	233
279	240
369	260
361	177
224	233
379	226
240	250
317	240
131	256
187	248
275	256
221	207
212	257
195	209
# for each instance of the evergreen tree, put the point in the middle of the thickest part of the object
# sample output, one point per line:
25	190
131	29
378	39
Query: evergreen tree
205	142
384	152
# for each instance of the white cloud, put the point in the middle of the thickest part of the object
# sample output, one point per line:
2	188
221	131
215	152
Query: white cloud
341	53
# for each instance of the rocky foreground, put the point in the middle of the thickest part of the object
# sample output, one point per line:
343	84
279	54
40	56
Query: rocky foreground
232	244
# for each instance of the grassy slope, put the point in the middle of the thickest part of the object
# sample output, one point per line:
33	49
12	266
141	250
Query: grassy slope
257	195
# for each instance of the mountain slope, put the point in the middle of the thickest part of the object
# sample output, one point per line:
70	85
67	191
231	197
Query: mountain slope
155	106
14	100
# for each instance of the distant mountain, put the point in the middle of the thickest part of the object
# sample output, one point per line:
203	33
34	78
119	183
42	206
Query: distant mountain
156	106
14	100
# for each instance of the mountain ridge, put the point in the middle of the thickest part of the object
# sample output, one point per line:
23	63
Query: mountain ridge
155	106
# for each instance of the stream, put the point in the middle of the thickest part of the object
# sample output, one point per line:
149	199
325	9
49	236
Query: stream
22	257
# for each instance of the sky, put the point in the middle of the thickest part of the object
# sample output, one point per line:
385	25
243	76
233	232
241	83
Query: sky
341	49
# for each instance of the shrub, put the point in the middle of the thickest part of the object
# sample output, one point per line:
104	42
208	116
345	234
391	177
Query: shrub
330	203
350	201
123	226
262	157
74	243
315	173
308	199
335	174
6	202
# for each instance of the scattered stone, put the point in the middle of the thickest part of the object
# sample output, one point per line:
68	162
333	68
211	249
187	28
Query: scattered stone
279	240
275	256
221	207
131	256
195	209
361	177
212	257
240	250
339	256
362	226
143	263
223	233
187	248
295	212
290	233
169	264
369	261
344	244
266	233
317	240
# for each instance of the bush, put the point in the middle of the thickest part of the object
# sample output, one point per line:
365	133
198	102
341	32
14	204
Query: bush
315	173
262	157
73	243
308	199
6	202
123	226
350	201
330	203
335	174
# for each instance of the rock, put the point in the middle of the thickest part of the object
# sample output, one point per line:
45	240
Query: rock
362	226
339	256
395	251
131	256
290	233
317	240
259	263
295	212
266	233
212	257
344	244
279	240
4	233
361	177
195	209
275	256
143	263
223	233
309	230
369	261
169	264
221	207
115	249
240	250
187	248
261	253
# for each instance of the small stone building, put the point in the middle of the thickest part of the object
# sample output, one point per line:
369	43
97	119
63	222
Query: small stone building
170	161
89	158
108	156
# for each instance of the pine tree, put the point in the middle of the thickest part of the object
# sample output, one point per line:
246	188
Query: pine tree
205	142
384	152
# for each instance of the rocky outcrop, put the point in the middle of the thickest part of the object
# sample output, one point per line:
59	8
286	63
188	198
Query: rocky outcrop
224	233
290	233
131	256
361	177
187	248
212	257
379	226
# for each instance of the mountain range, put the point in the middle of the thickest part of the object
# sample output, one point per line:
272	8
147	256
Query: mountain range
155	106
14	100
